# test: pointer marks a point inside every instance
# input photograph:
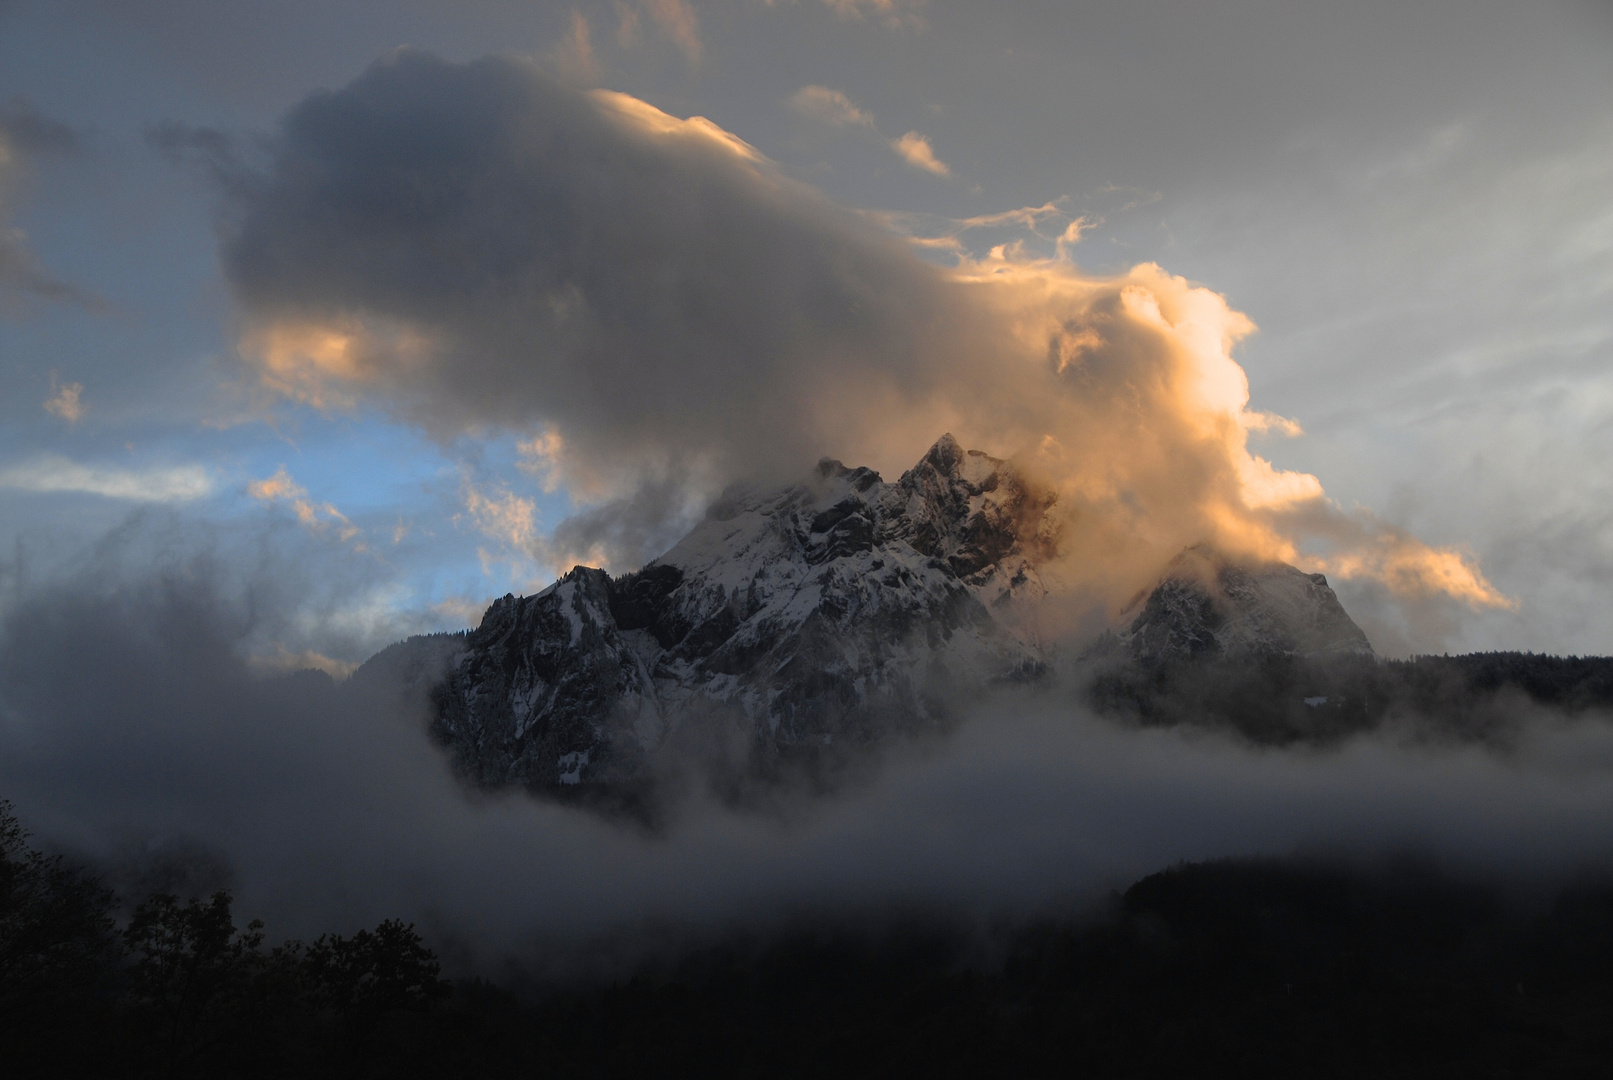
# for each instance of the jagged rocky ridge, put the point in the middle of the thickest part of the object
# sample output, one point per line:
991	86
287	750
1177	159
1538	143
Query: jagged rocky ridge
841	609
833	609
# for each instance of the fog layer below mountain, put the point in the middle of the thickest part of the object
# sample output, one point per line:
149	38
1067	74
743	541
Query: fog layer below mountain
132	733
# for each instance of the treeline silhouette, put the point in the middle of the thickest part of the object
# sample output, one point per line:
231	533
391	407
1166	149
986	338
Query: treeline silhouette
1279	699
1259	968
179	990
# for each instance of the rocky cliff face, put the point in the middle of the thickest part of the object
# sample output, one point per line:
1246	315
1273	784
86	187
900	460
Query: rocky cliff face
1207	606
841	609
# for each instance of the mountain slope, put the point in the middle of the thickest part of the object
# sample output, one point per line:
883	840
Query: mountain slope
834	608
1206	605
841	609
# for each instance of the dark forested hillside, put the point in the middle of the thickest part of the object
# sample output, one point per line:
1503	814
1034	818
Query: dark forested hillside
1285	698
1258	968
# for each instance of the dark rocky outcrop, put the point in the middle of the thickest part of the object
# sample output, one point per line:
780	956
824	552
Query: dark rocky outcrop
837	609
1207	605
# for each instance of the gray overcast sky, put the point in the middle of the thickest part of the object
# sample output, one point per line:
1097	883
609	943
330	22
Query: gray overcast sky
1414	202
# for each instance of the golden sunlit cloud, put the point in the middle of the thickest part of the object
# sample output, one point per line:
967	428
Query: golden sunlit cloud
647	118
1152	439
540	456
278	486
306	363
511	521
503	516
1264	422
830	106
837	110
315	517
573	58
1367	549
283	661
66	401
915	149
327	364
1071	236
665	339
893	13
464	610
1026	217
941	233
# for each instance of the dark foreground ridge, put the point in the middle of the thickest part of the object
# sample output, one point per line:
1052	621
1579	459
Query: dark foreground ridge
1284	699
1257	968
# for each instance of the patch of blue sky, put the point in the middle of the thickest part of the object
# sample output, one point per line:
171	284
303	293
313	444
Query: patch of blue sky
405	491
402	492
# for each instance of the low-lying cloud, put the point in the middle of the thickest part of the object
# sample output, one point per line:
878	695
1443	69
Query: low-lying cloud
134	729
662	312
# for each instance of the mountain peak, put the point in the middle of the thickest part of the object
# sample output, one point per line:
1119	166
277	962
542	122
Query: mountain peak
945	455
810	614
1208	603
824	612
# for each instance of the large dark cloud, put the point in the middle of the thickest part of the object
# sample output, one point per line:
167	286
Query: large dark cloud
476	245
490	247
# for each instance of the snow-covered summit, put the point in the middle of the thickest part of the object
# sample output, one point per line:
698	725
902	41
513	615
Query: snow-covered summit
838	609
832	609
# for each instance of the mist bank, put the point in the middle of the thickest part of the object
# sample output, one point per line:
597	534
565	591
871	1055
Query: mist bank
1287	699
1389	967
135	735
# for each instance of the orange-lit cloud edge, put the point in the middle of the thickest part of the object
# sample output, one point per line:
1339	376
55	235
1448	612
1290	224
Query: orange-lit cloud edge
1119	392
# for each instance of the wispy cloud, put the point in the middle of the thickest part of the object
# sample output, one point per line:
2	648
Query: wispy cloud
66	400
54	473
892	13
830	106
315	517
283	660
1049	223
574	57
834	108
915	149
278	486
26	134
511	522
542	456
503	516
674	18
